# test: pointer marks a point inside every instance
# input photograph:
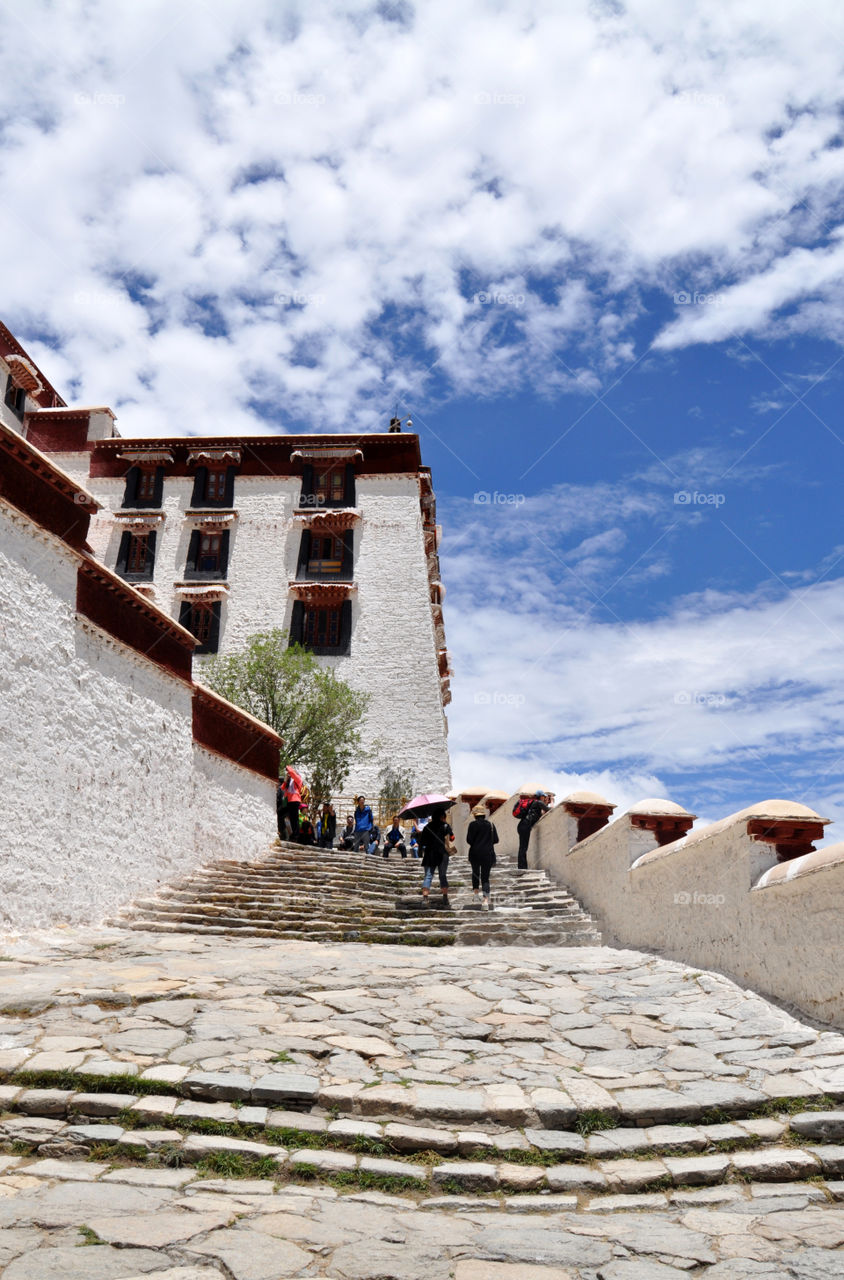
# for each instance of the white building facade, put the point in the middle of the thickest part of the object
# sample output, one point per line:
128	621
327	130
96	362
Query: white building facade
331	538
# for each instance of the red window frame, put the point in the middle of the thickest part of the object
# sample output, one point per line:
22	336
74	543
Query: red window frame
146	485
136	560
321	627
209	556
330	484
215	484
326	555
201	621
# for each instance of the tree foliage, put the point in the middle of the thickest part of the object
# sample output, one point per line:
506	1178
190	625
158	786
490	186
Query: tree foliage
317	715
394	784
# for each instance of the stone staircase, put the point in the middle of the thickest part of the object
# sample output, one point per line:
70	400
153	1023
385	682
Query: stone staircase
322	895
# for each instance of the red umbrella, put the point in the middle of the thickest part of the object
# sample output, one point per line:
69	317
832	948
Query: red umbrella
425	806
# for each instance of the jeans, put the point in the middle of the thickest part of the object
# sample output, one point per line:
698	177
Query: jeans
480	876
442	869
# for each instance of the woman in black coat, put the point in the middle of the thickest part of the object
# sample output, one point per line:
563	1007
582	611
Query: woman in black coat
481	837
436	840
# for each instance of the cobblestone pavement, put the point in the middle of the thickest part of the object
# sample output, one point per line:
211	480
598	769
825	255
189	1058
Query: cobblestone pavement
551	1113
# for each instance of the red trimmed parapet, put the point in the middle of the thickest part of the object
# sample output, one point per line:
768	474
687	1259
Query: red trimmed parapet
228	731
21	363
118	609
590	810
493	800
792	832
667	821
471	795
30	482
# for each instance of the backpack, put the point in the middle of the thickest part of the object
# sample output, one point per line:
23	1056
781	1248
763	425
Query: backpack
521	807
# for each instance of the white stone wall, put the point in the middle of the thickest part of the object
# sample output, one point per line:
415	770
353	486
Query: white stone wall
393	647
102	797
233	809
695	902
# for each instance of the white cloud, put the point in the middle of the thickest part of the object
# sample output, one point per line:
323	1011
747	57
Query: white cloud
386	165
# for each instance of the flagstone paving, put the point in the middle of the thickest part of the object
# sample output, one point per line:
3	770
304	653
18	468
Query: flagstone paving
517	1113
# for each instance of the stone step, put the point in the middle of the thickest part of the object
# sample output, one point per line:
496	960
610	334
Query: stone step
320	895
615	1161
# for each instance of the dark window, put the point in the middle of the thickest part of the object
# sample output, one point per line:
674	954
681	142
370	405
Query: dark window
210	549
213	487
215	484
144	487
136	557
322	629
326	553
328	485
138	550
202	619
15	398
208	554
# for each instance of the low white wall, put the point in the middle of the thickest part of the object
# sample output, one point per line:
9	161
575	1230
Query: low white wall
234	809
104	792
706	900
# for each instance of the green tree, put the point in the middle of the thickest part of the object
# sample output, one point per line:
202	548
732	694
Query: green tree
317	715
393	785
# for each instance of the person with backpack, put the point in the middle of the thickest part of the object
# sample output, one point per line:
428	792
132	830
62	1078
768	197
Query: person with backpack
291	785
481	837
528	810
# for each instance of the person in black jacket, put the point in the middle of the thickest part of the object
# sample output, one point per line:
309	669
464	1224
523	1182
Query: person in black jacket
481	837
328	826
436	840
527	822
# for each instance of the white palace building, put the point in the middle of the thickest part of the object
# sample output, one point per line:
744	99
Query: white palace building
332	538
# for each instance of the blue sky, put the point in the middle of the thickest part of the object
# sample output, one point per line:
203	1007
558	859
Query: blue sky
595	248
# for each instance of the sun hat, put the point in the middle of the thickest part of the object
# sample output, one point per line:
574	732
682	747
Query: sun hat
479	811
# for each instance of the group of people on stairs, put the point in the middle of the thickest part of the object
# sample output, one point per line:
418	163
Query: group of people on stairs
434	841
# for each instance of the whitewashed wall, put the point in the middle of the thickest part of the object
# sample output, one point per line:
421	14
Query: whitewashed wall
712	899
393	648
101	795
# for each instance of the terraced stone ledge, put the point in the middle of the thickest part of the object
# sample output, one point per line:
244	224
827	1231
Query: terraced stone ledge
253	1130
497	1105
806	1146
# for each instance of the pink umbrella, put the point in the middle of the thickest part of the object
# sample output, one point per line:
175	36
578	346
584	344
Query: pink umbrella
425	806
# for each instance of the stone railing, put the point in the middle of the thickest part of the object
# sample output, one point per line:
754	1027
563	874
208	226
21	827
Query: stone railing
748	896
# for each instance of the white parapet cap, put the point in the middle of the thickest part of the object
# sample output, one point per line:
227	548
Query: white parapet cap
214	455
77	408
139	521
338	516
218	519
202	590
329	451
146	455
